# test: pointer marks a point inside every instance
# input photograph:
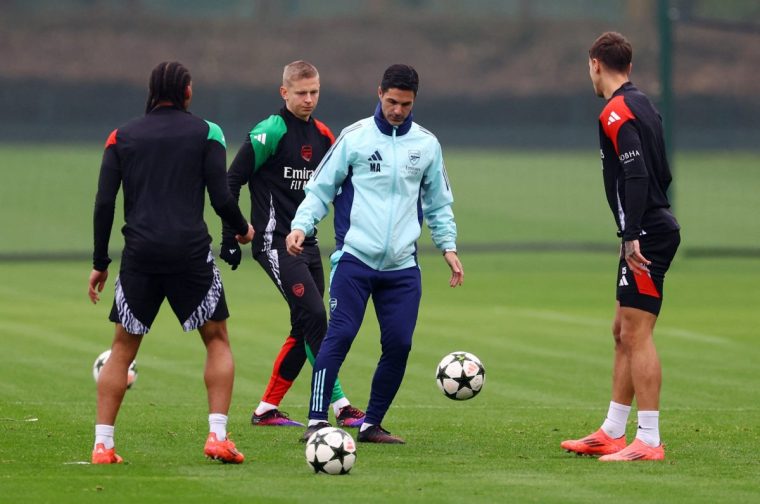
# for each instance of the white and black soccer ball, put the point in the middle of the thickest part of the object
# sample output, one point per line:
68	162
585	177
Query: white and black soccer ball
460	376
100	362
331	451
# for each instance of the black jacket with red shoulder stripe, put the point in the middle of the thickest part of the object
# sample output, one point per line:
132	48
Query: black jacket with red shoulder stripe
165	162
634	164
276	160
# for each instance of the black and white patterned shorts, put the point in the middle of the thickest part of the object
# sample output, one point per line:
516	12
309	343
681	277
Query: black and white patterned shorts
196	296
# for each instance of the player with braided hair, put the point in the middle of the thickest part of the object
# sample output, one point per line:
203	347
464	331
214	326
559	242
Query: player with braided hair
165	161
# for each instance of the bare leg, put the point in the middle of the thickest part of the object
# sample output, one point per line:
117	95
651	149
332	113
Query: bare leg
622	382
637	327
636	372
112	382
219	376
220	367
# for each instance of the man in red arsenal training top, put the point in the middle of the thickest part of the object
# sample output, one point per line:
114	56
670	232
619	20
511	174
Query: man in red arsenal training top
636	179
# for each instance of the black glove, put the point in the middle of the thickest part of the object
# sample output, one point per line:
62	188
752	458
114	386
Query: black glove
230	253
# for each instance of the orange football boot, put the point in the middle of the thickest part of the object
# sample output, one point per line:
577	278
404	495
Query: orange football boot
222	450
598	443
638	450
102	456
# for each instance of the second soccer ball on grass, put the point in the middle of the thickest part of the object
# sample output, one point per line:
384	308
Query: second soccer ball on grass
460	375
100	362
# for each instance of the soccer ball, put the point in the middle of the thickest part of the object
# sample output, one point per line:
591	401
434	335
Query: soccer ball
460	376
101	360
331	450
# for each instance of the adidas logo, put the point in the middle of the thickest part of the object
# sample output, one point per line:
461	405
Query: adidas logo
261	138
612	118
623	280
374	162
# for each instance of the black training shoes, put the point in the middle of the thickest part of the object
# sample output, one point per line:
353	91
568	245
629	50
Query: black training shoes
377	434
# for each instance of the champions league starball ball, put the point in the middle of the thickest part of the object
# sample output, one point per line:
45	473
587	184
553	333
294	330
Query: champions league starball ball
100	362
460	376
331	451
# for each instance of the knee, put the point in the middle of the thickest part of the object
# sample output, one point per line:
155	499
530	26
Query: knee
397	350
316	317
214	333
617	334
335	342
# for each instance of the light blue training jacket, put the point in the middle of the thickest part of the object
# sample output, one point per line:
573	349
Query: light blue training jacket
382	180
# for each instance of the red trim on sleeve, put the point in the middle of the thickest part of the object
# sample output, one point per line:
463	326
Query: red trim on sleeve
645	285
614	115
111	139
322	127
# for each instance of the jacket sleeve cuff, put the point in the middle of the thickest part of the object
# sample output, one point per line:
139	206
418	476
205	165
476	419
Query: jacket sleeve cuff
101	264
449	245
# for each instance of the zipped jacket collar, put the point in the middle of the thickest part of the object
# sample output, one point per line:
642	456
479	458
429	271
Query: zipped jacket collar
387	128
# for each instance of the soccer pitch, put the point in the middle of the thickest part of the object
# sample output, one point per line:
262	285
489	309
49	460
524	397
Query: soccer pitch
539	321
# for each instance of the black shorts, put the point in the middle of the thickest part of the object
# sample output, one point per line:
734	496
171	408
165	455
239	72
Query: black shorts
196	296
645	291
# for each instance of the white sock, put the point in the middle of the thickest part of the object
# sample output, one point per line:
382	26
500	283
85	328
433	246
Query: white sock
217	423
263	407
365	426
104	434
649	427
617	416
339	404
314	422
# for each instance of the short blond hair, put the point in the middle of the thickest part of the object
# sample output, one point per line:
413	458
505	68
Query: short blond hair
298	70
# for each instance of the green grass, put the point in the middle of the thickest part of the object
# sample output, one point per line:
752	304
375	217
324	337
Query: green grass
539	322
47	194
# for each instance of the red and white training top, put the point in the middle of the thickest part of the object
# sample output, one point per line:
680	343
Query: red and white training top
634	164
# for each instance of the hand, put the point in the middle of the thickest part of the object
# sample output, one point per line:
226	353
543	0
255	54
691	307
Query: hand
294	242
632	253
230	253
96	284
245	239
457	271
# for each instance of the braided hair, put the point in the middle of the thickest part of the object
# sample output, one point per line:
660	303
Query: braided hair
168	82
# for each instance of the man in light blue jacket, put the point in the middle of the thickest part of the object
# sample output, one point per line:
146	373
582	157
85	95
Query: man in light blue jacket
383	175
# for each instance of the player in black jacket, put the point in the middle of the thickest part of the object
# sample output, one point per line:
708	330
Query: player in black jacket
636	179
276	160
165	162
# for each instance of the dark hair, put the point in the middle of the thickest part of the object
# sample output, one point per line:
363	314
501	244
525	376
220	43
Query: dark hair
613	50
400	77
167	83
